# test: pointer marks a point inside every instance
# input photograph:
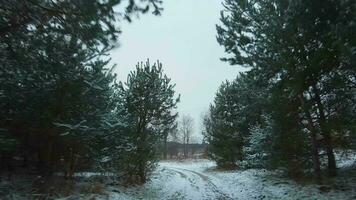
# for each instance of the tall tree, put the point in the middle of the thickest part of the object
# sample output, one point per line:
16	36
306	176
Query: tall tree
237	107
169	130
186	126
297	47
55	84
147	100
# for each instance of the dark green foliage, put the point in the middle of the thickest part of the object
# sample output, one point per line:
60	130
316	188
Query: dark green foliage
55	85
7	142
225	146
237	106
225	143
290	145
307	65
146	102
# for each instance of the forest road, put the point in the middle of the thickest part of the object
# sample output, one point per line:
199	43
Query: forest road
200	182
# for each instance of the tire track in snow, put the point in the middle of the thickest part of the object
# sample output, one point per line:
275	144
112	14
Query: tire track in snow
185	177
209	185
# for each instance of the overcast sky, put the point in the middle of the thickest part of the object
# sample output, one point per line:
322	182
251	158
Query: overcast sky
183	38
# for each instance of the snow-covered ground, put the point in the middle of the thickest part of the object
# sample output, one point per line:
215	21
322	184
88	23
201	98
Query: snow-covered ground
199	180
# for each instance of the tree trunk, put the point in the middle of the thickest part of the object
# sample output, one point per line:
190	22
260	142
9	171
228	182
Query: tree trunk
185	150
141	147
49	156
24	150
165	148
326	133
315	155
314	142
331	157
187	146
142	172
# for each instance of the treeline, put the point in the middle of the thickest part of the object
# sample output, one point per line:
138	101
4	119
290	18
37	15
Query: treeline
180	141
297	102
61	108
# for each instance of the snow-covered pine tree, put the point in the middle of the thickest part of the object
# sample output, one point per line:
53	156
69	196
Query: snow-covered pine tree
54	82
238	106
225	141
147	101
303	51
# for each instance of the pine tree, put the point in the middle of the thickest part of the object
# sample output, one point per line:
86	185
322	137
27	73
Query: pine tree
55	82
147	100
237	107
297	49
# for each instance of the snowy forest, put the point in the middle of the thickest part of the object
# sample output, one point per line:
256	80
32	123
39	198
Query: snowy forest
283	128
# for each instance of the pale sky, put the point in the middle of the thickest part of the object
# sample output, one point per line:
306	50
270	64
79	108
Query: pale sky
183	38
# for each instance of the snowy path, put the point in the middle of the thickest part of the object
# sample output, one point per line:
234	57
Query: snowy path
206	188
179	180
197	180
211	184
